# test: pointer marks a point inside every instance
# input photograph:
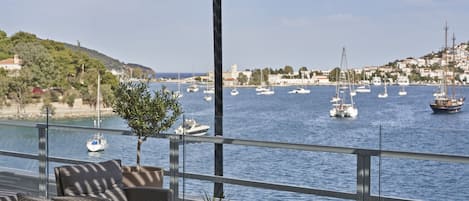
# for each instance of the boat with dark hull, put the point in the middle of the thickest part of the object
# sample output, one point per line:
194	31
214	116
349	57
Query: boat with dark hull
443	102
447	105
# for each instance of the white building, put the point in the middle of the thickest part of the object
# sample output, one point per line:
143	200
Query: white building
11	64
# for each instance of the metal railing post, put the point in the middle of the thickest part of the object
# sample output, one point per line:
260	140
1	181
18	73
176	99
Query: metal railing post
174	166
363	176
43	163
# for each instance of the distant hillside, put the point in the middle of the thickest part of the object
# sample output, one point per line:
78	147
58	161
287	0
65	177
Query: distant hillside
110	62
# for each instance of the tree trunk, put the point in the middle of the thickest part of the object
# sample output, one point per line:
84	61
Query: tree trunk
139	144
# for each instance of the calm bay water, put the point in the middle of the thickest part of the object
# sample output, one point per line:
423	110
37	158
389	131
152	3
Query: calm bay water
406	124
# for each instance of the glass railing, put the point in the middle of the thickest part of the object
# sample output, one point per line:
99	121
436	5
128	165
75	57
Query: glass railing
396	163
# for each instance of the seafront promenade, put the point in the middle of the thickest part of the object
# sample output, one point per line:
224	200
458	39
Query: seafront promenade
62	111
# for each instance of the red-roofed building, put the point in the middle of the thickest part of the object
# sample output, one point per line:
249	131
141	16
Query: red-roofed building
11	63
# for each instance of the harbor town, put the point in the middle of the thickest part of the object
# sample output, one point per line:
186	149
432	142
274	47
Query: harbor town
278	101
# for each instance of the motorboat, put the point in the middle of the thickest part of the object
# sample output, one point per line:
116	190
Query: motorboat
191	127
266	92
363	89
261	88
192	88
299	90
207	98
234	92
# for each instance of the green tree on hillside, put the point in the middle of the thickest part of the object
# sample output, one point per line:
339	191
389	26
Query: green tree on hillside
288	69
334	74
242	79
37	59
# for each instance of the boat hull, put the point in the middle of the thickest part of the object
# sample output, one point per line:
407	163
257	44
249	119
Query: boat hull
446	109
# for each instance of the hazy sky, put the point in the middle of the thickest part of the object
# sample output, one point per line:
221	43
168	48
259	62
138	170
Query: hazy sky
177	35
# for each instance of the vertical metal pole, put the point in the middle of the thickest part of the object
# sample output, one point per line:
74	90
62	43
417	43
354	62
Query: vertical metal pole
218	69
363	176
42	155
174	166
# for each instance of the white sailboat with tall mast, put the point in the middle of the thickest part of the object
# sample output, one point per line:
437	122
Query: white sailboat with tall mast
178	93
365	87
97	142
261	87
344	106
385	92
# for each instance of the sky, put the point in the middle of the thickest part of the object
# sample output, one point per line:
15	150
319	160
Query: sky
177	35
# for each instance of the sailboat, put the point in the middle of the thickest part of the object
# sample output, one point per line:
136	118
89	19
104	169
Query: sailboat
193	87
443	102
209	90
385	93
402	91
365	87
266	91
301	89
342	108
178	93
97	142
261	87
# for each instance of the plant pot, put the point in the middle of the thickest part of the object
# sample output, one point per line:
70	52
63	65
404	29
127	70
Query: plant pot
148	176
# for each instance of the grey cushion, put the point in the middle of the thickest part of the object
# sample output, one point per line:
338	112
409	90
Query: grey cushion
24	197
79	198
102	179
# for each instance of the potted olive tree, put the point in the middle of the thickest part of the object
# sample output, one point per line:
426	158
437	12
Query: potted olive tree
147	113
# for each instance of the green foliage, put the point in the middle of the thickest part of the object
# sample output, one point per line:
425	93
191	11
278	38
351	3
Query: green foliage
70	99
288	69
48	108
23	37
147	113
242	79
333	75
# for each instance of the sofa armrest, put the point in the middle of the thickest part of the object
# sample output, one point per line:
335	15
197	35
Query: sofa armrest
144	193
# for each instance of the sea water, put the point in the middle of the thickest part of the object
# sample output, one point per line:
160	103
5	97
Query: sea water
400	123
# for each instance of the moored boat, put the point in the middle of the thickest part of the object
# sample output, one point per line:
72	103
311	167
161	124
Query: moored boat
191	127
443	102
343	105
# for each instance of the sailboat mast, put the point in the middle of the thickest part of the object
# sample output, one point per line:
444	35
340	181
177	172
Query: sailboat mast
445	55
453	53
98	101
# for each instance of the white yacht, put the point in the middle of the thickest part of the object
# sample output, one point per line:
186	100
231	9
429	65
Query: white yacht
268	91
192	88
191	127
207	98
234	92
363	89
300	90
